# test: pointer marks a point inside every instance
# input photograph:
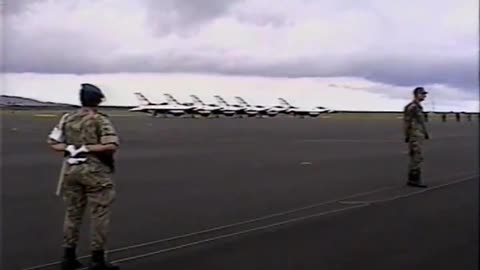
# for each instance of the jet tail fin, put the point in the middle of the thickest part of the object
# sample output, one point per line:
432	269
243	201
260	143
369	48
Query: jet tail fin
171	99
142	100
197	100
242	101
284	102
222	101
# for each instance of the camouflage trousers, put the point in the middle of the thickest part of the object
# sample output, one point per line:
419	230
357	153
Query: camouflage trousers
83	185
415	154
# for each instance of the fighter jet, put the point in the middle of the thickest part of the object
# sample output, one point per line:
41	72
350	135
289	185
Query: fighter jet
194	109
208	108
257	109
288	108
235	109
164	108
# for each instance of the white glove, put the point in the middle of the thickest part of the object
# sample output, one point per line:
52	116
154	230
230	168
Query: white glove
73	151
73	161
83	149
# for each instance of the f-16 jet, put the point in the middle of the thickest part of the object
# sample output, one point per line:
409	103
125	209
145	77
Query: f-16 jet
194	109
256	109
164	108
286	107
215	109
235	109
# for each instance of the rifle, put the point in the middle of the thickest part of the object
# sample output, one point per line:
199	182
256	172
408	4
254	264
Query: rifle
60	179
57	134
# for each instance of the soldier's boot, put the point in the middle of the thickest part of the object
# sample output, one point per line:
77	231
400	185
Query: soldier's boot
415	179
98	262
69	260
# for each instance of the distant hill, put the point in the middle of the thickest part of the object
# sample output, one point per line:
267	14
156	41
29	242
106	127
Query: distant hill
15	101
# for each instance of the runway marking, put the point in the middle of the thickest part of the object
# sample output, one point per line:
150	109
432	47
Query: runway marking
343	200
359	205
351	202
218	228
409	194
131	258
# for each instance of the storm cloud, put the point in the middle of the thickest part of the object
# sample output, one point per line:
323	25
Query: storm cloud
431	42
17	6
183	16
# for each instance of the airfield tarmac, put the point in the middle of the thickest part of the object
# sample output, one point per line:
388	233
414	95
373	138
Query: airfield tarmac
279	193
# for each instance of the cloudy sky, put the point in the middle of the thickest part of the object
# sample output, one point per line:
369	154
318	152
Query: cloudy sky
346	54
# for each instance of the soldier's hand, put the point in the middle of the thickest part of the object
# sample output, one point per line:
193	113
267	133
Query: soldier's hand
82	149
71	149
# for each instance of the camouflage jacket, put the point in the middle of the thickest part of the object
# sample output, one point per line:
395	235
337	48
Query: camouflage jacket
414	120
82	128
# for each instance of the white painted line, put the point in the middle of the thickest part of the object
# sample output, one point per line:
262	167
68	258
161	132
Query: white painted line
233	234
357	205
422	190
145	244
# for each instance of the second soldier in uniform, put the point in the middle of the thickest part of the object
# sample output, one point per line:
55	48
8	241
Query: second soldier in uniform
415	133
88	140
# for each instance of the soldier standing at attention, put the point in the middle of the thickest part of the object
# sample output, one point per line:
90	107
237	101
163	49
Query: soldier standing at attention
415	132
457	116
88	140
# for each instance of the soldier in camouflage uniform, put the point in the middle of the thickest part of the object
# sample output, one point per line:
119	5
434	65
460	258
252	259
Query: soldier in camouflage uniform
88	140
457	116
415	133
